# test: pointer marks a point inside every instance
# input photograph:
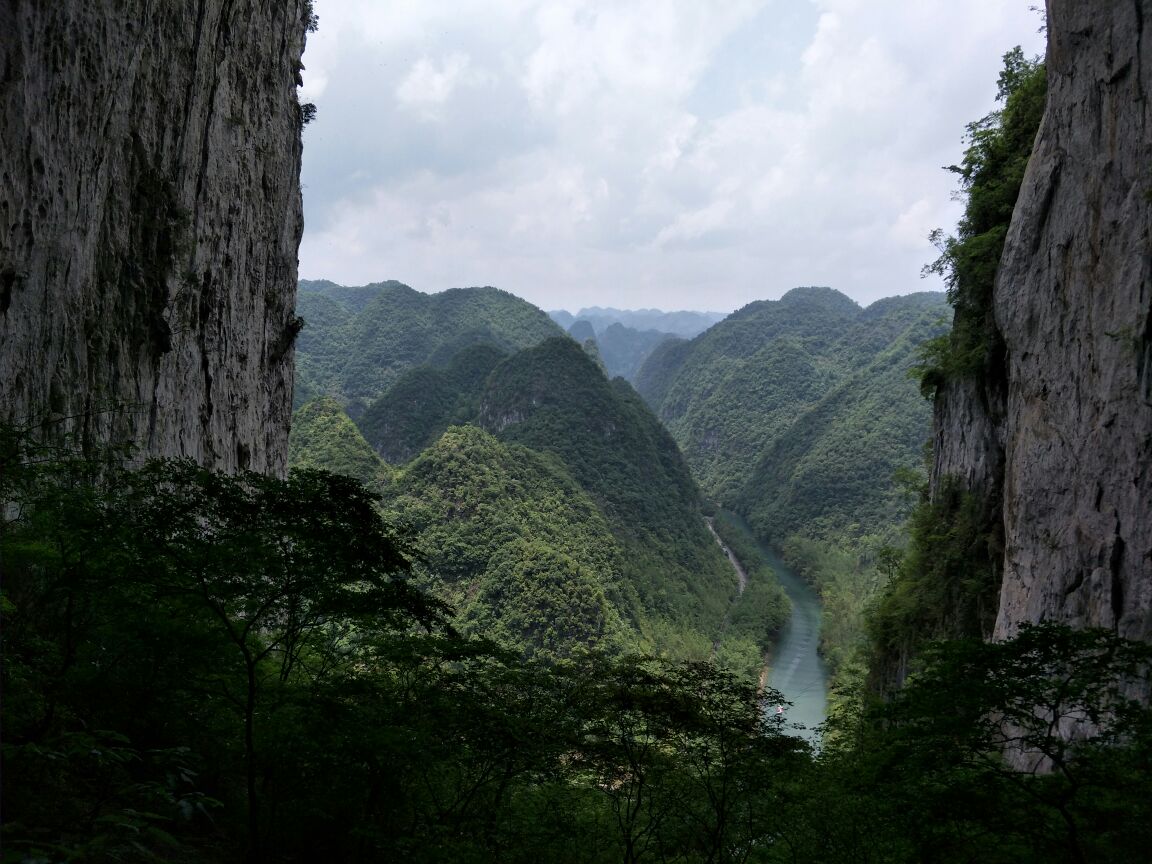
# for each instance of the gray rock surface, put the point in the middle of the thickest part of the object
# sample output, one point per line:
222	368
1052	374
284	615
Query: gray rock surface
149	221
1073	301
1058	440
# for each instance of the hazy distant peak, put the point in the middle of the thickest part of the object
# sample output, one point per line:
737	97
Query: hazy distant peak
686	322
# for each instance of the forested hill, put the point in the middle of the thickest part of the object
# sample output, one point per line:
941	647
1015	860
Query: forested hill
556	432
832	469
518	549
810	383
554	399
357	341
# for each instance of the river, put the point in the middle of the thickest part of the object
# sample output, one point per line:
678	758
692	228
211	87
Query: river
797	670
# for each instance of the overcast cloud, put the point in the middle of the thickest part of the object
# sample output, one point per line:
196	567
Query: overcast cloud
694	154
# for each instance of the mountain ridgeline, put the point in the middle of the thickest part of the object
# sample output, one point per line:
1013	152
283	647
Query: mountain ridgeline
798	411
508	439
357	341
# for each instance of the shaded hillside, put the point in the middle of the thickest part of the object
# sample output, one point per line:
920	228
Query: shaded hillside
554	399
832	469
660	369
522	553
425	400
324	437
728	394
622	349
358	341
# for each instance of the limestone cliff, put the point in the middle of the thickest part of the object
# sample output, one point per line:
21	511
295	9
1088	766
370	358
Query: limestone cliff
149	221
1073	302
1057	437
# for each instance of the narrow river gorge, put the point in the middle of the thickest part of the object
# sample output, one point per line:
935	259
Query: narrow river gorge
795	669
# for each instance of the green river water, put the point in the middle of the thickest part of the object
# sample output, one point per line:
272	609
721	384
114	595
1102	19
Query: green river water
797	670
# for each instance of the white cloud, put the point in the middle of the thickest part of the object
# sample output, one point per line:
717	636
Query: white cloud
644	152
426	89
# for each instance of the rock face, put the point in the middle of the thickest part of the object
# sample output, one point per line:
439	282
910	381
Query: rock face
149	221
1074	303
1059	438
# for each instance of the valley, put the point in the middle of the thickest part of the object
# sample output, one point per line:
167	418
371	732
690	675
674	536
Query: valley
797	670
294	570
755	402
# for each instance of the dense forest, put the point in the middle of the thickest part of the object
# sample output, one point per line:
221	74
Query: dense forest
566	451
203	667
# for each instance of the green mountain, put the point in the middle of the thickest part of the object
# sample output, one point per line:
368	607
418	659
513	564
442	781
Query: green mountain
831	470
324	437
748	399
358	341
522	553
425	400
554	399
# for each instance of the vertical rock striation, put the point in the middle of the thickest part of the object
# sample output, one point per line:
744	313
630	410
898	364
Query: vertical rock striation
149	222
1073	303
1056	438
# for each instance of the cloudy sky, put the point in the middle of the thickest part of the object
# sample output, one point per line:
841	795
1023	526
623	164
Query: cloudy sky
694	154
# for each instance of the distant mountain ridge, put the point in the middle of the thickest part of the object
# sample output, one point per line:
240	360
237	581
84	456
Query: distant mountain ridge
751	399
357	341
626	338
683	323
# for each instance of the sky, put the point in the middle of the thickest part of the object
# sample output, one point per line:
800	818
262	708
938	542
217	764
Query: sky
676	154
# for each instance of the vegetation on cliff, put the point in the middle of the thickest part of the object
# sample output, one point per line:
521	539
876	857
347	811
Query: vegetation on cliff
990	173
948	584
